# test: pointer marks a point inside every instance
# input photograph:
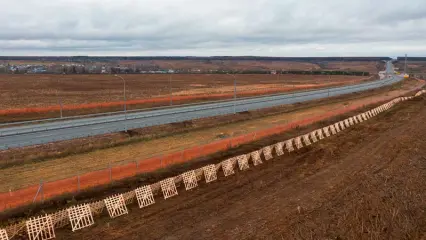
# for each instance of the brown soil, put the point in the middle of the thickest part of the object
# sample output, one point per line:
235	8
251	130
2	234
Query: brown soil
65	148
365	183
368	66
413	67
235	65
24	167
206	65
21	91
372	67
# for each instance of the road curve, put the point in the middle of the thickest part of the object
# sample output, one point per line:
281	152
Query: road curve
65	130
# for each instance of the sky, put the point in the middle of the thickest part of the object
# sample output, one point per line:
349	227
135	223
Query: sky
287	28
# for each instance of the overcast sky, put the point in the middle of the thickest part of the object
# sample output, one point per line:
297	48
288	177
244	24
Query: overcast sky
213	27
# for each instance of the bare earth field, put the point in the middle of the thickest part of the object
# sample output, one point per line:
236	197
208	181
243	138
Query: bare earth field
368	66
372	67
364	183
237	65
206	65
29	165
21	91
413	67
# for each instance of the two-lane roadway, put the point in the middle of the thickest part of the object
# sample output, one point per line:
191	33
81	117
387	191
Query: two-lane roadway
41	133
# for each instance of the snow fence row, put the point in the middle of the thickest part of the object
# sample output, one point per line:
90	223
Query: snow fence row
83	215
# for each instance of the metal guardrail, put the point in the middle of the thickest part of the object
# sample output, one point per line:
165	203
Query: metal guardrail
226	103
46	120
86	127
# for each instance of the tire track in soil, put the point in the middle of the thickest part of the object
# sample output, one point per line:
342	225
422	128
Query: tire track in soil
263	202
365	166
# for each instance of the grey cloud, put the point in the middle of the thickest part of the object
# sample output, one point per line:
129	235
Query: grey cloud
205	27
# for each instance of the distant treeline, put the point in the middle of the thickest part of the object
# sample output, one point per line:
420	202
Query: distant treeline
222	58
412	58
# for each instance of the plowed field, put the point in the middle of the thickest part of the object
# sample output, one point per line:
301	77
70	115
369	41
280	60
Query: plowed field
367	182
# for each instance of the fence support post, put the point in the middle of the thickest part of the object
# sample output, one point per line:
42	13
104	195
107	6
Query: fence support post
110	173
78	183
254	136
42	190
40	187
181	156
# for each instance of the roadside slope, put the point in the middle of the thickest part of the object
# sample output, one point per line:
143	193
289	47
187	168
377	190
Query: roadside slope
367	182
22	175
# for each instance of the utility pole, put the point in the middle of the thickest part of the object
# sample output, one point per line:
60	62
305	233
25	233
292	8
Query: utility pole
59	99
235	91
405	66
170	86
125	104
171	71
124	92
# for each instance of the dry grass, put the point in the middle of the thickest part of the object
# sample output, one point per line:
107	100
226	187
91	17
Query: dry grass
372	67
23	175
19	91
413	67
227	65
365	184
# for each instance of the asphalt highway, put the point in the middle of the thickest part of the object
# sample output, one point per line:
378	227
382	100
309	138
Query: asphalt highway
41	133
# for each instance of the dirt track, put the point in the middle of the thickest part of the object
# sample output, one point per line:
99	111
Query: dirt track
365	183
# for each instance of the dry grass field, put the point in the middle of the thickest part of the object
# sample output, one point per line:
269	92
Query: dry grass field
21	91
368	66
413	67
200	132
229	65
372	67
366	183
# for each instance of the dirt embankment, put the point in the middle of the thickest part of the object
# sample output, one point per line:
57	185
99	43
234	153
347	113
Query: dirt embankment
76	146
364	183
24	167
